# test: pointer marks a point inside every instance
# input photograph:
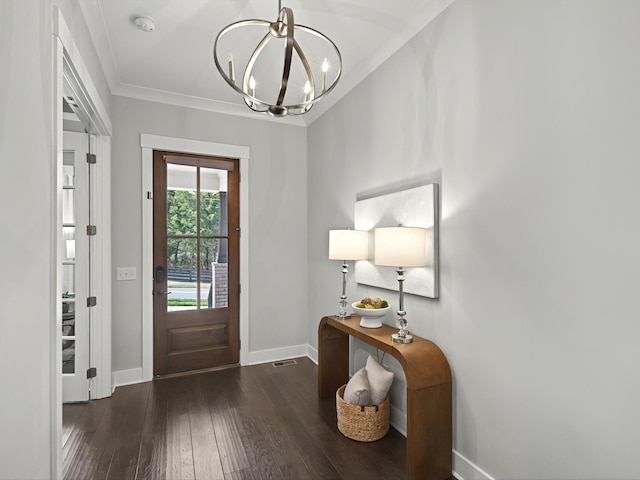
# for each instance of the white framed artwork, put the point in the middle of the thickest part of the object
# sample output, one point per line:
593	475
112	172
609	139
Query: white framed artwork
413	207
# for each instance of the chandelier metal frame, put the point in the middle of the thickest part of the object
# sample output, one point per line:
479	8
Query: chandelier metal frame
282	28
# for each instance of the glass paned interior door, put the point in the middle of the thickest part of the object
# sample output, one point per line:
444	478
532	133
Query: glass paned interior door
196	237
74	254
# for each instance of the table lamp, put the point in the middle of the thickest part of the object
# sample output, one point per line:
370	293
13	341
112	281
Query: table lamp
347	245
400	247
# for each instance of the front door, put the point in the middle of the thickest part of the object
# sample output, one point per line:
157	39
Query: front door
196	256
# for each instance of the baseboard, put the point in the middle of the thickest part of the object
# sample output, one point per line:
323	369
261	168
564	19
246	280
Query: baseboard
129	377
312	353
398	420
464	469
277	354
126	377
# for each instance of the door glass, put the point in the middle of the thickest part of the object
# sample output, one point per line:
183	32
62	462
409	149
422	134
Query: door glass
68	264
217	290
68	355
196	237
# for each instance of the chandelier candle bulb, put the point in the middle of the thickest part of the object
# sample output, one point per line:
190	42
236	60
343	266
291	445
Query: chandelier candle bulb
252	86
307	91
232	75
325	69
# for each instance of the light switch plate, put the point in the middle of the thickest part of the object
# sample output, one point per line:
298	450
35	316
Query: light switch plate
126	273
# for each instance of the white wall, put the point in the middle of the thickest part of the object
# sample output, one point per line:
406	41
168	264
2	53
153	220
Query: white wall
528	112
277	219
26	193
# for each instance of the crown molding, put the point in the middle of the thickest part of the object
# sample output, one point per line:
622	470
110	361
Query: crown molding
199	103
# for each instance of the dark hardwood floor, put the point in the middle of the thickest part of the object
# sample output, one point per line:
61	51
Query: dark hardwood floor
257	422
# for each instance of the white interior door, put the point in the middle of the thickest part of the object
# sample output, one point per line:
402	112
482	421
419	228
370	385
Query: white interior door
75	268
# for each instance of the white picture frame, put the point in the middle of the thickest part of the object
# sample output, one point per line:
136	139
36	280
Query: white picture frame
413	207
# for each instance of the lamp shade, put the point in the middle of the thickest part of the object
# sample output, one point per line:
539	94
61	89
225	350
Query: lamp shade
348	245
400	246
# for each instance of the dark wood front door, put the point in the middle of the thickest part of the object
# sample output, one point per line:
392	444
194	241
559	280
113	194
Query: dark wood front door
196	256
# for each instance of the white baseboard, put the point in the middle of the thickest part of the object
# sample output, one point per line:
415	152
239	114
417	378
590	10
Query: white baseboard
135	375
277	354
312	353
398	420
464	469
126	377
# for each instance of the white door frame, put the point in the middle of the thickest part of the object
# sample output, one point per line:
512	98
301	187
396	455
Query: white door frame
71	74
148	144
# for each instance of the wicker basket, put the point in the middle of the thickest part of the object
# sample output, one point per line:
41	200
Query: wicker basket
364	424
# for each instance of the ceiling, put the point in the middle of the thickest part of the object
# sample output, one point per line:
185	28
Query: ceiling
174	63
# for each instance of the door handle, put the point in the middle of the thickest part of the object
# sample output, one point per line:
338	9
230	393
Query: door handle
159	276
160	292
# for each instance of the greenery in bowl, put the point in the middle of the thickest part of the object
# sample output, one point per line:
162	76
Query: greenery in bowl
374	303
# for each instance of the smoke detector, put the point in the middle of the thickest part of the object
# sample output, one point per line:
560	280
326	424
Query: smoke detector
145	24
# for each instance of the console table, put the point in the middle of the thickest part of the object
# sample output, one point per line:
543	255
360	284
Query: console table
428	376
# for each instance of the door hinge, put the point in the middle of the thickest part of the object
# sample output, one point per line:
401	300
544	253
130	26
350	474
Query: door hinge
91	158
239	288
92	301
92	230
92	372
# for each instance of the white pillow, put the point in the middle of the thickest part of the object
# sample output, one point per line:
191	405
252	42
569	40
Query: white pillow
357	390
380	380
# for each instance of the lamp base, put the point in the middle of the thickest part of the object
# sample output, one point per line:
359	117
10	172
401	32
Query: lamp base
395	338
342	317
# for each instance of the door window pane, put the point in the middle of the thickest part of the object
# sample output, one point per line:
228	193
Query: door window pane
68	215
215	272
68	171
68	356
68	318
213	202
182	275
219	287
181	200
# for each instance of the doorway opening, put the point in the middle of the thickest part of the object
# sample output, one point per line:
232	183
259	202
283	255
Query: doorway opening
72	84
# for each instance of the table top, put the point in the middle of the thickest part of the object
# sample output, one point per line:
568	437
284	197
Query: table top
423	362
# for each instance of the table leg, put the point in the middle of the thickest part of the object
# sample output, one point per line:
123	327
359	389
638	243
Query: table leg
333	360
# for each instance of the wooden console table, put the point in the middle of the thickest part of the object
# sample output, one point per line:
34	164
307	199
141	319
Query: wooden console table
429	400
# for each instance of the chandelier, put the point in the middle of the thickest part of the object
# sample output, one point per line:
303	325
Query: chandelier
287	67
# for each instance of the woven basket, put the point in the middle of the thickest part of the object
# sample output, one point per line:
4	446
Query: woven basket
362	423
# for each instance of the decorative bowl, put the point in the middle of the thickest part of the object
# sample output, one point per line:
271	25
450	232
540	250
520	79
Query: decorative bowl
371	317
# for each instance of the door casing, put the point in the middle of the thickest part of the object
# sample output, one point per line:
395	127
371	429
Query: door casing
148	144
70	74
